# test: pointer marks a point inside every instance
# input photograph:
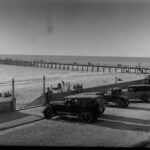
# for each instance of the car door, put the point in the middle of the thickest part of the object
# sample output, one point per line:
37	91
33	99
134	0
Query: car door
67	107
135	92
140	92
73	106
61	107
131	93
148	91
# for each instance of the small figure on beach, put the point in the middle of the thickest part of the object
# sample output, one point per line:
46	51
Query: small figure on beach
5	94
119	79
8	94
49	94
74	86
63	83
59	85
115	80
69	87
78	88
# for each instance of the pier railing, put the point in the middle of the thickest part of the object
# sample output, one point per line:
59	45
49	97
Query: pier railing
78	66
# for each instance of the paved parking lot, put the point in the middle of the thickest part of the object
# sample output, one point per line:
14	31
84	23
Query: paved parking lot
117	127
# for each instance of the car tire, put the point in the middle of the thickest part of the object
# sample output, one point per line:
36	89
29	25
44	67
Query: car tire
101	109
126	104
86	117
145	98
120	103
48	113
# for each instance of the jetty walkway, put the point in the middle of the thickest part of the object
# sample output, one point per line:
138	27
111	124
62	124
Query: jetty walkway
77	66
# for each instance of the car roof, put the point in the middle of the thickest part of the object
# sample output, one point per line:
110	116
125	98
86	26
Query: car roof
114	88
83	96
93	93
139	85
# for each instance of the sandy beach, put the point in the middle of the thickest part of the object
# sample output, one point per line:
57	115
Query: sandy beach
26	93
29	80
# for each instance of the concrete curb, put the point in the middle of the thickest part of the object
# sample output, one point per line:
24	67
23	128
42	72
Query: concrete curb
19	122
31	107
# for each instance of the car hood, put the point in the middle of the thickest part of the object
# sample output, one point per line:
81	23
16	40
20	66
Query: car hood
124	96
57	102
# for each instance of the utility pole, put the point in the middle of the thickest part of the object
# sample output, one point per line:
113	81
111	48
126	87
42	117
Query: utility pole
44	98
13	99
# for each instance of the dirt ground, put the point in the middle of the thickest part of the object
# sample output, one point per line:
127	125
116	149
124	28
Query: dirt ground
117	127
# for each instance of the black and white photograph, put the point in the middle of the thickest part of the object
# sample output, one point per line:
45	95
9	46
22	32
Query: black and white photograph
75	73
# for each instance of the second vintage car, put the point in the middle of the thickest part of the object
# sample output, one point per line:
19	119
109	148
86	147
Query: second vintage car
116	96
139	91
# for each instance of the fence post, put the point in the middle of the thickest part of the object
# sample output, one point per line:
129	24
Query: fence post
44	98
13	99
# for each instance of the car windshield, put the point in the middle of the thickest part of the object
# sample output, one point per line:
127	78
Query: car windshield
108	92
72	101
116	92
130	89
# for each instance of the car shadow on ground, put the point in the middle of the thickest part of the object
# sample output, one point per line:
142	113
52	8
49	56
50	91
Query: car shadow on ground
125	119
10	116
132	107
138	108
122	125
113	122
136	101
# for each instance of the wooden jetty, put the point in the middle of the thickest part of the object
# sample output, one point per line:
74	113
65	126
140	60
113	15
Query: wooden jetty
77	66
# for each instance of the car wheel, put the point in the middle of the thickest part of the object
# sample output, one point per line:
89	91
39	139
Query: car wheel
126	104
101	109
86	117
145	98
48	113
120	104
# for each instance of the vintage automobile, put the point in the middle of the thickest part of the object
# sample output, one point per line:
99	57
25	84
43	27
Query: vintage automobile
140	91
88	107
117	97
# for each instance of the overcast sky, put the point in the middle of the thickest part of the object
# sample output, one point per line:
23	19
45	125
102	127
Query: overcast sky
75	27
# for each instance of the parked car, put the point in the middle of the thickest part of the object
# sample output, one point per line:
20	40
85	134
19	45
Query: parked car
87	107
116	96
140	91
